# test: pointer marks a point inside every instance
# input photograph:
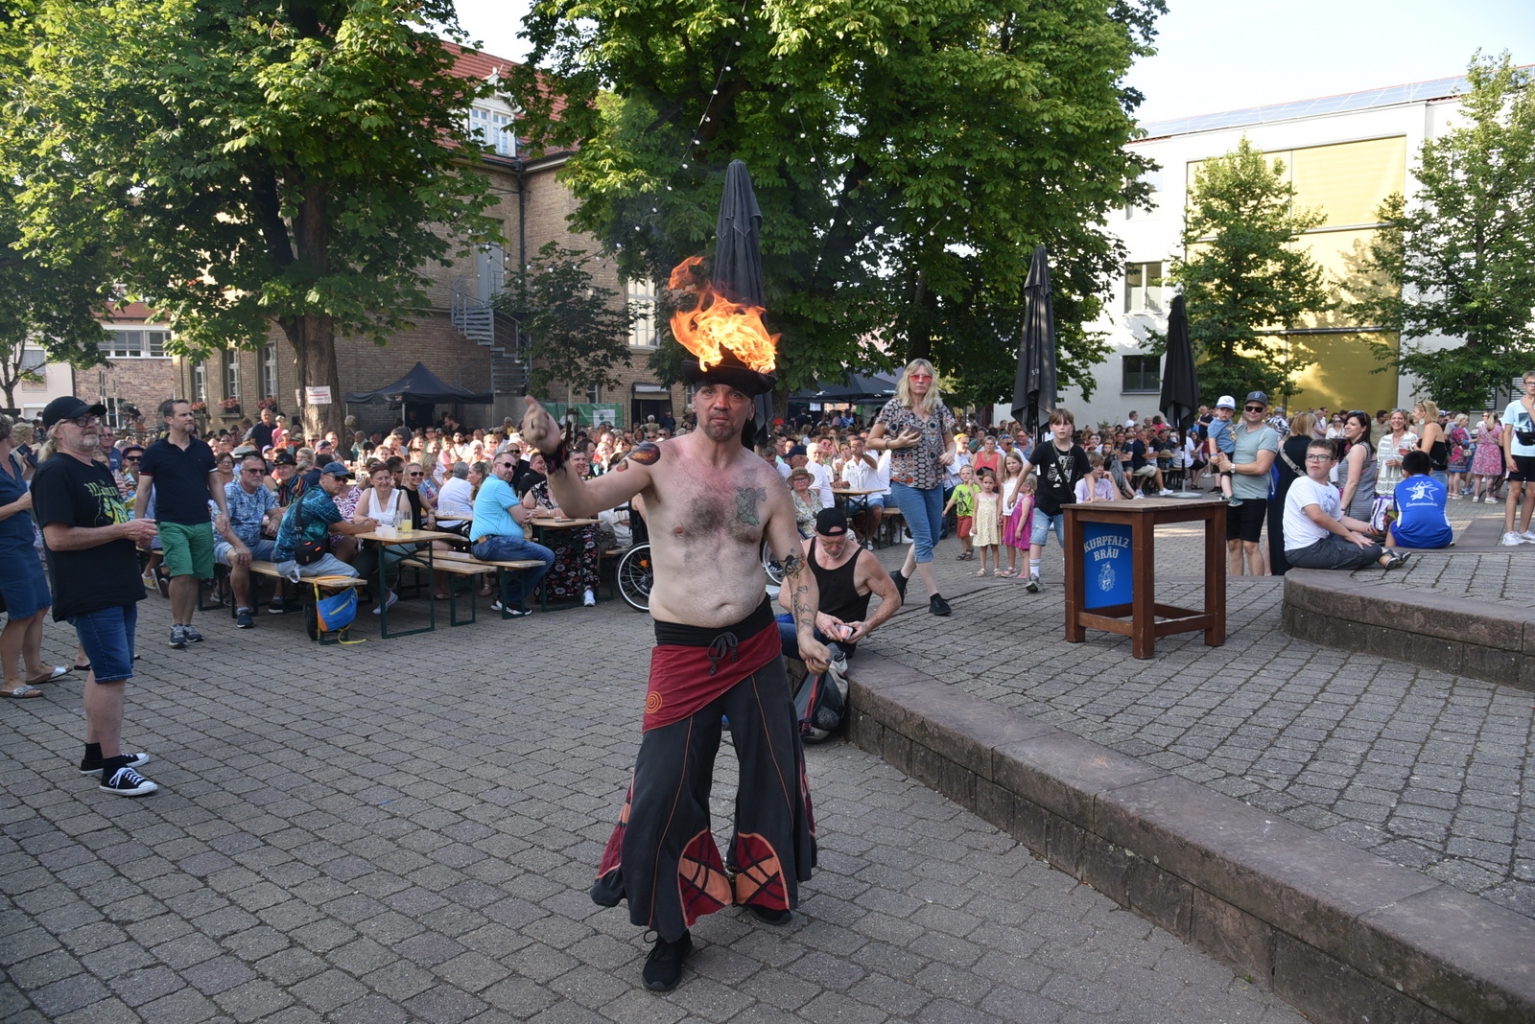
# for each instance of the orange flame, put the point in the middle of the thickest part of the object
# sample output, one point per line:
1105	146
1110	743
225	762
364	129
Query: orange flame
715	324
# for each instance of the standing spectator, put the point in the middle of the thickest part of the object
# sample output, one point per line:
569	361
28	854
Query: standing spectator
21	581
1519	457
261	433
252	508
1431	440
1360	468
1459	439
1061	463
1487	460
918	429
1393	445
92	553
184	475
1254	448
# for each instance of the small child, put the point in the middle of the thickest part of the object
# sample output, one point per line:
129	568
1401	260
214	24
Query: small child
1096	485
962	501
988	523
1017	514
1222	441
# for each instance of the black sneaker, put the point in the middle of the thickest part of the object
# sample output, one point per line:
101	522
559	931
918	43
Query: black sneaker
766	916
245	620
663	967
937	605
125	781
275	607
192	635
1032	586
163	582
900	584
87	767
516	611
178	637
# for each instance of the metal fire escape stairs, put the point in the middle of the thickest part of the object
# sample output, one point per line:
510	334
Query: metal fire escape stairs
510	351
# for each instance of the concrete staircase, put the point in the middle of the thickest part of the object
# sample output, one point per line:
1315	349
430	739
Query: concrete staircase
498	332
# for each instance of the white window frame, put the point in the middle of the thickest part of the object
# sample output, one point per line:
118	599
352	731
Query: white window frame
641	296
200	381
493	130
1146	297
230	359
34	359
135	343
268	362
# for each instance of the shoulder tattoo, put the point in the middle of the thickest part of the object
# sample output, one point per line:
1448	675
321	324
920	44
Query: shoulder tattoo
646	453
746	504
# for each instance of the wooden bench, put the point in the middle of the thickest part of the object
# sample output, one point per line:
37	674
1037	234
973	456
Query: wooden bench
890	527
445	561
464	560
303	595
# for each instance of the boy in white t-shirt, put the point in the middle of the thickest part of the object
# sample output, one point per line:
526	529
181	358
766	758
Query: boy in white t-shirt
1316	535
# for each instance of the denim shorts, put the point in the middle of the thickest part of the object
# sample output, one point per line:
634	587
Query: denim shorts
106	635
261	551
1043	524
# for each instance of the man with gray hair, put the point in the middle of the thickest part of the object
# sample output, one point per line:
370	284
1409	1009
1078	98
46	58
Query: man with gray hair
455	501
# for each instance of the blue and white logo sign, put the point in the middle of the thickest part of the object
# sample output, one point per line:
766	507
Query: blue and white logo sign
1105	564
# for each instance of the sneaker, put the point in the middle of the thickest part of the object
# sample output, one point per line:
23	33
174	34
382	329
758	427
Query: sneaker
88	767
192	636
245	620
1032	586
1511	540
588	598
393	597
663	967
900	584
178	637
1528	536
937	605
163	582
772	917
1165	492
275	607
125	781
1233	502
516	611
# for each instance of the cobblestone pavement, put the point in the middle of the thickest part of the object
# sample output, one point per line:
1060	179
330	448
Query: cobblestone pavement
1432	770
405	831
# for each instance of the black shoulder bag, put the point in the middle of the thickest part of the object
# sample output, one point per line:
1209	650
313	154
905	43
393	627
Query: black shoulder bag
307	552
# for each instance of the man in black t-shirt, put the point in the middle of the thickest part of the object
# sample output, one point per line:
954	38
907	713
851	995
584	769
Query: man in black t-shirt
91	544
1060	463
261	433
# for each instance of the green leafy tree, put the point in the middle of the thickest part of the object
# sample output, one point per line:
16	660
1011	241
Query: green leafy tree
297	163
1243	277
579	335
907	158
1458	262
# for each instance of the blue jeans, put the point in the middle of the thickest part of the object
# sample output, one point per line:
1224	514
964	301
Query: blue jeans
106	636
515	549
923	510
1043	524
788	637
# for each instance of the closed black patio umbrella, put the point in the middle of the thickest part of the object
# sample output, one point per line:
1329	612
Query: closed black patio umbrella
1179	401
1034	386
737	273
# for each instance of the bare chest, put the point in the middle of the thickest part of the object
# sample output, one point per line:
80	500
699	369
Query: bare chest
708	509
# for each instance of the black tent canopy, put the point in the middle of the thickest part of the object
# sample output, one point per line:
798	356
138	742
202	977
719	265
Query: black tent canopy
859	388
423	386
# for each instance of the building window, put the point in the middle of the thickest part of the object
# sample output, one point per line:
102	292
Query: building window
34	369
1142	375
135	344
231	360
268	361
641	296
493	130
1153	179
594	394
1143	287
200	381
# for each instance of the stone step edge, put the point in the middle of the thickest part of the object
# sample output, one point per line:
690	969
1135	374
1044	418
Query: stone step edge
1339	933
1461	636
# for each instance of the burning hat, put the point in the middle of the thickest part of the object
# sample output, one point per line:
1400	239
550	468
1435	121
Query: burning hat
728	340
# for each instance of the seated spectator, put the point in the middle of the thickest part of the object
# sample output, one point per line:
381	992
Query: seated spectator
847	576
496	534
577	557
251	507
312	518
1420	499
1316	535
455	502
1096	485
807	501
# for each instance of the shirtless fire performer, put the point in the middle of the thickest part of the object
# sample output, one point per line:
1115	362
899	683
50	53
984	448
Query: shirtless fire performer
709	502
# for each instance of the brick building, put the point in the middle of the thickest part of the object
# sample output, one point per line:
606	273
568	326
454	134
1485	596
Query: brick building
458	336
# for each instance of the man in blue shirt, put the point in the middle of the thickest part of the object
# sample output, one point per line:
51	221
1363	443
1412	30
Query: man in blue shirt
495	535
1419	499
250	505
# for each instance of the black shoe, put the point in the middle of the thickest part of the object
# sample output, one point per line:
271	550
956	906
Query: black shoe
900	584
87	767
772	917
937	605
120	780
163	582
663	967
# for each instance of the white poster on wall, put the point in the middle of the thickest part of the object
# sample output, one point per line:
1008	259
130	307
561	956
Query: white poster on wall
317	396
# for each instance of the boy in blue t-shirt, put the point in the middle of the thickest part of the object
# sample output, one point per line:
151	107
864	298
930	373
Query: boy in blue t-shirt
1220	440
1419	500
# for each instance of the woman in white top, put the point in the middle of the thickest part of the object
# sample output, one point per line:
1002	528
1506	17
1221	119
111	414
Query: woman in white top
1393	445
1519	458
386	505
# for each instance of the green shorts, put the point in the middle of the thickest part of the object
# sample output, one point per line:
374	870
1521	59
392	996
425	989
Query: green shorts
188	549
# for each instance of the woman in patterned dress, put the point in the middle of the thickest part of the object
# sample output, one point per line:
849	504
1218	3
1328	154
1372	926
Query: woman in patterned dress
1487	463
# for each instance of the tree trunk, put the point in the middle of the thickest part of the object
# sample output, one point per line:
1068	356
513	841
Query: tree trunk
313	335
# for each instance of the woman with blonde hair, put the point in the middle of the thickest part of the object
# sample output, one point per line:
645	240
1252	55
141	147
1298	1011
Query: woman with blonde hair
918	431
1431	440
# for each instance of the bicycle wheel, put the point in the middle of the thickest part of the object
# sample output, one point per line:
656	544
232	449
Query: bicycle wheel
635	576
771	566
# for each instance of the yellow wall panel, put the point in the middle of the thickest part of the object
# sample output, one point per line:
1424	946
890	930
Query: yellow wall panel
1341	375
1349	181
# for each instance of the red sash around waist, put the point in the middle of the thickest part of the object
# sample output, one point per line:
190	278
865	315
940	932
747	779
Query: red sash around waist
684	679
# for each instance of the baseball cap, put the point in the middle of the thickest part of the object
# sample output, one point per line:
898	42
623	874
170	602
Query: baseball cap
831	522
284	458
1258	396
67	408
1226	402
336	469
798	449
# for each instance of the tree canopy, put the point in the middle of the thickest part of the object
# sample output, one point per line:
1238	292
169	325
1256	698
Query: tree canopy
907	158
1242	277
1459	259
247	163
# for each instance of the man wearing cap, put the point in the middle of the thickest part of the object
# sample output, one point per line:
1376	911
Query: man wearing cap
92	553
184	475
1255	447
285	482
312	517
709	502
846	577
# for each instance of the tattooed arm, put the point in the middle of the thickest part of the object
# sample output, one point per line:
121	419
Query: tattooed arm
804	596
578	498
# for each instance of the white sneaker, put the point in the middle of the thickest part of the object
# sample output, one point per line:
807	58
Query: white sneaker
1511	540
588	598
1165	493
393	597
1528	536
